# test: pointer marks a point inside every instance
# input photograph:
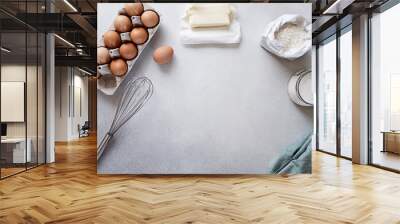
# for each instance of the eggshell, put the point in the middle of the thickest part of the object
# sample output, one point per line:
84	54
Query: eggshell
128	51
133	9
163	55
122	24
150	18
118	67
112	39
139	35
103	57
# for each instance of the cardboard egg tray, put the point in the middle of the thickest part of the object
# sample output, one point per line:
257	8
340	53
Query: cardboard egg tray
108	83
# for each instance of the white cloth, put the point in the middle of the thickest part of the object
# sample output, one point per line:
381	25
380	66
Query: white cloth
210	35
270	42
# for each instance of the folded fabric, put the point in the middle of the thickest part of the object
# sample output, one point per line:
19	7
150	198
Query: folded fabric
215	32
295	159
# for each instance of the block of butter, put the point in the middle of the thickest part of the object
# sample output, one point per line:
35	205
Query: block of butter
209	15
209	20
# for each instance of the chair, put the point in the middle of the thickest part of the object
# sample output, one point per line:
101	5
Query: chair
84	130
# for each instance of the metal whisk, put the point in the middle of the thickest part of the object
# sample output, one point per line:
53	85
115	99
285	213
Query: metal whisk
136	94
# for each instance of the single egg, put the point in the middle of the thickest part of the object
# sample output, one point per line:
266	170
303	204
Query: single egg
112	39
139	35
122	24
133	9
150	18
103	57
118	67
128	51
163	55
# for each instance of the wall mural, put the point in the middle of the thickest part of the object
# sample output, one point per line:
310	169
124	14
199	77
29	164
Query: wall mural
204	88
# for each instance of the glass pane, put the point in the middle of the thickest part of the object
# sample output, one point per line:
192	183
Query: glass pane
385	84
13	87
32	86
346	94
23	89
31	98
327	97
395	101
41	99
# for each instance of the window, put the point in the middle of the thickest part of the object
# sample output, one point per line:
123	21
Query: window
334	106
346	93
22	75
327	96
385	89
395	102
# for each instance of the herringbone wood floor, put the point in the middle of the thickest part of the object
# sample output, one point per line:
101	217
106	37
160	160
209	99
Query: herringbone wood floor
69	191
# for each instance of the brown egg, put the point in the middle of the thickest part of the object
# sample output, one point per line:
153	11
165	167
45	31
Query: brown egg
163	55
150	18
133	9
128	51
112	39
139	35
118	67
122	24
103	57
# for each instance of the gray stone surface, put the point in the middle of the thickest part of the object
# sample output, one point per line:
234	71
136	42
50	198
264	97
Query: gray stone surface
215	109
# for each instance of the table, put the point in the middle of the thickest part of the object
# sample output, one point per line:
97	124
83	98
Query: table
215	109
16	154
391	142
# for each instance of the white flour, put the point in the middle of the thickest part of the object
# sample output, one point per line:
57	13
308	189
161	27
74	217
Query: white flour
291	36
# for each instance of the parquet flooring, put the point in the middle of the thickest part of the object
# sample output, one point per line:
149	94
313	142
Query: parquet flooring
70	191
10	171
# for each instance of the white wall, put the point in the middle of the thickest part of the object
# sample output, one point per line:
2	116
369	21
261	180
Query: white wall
69	81
80	83
33	127
61	103
16	72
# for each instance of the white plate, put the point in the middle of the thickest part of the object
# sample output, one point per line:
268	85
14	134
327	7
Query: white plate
300	88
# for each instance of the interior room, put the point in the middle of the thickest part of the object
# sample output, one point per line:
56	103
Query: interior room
72	104
23	100
205	142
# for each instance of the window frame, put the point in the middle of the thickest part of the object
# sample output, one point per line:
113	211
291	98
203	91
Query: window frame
334	37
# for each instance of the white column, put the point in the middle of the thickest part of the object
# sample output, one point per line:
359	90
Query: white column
50	99
360	90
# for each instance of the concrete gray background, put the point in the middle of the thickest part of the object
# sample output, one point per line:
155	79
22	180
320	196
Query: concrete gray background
215	109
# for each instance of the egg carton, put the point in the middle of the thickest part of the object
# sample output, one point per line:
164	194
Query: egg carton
108	83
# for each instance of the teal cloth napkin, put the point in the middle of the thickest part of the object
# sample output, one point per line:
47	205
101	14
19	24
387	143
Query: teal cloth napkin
295	159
